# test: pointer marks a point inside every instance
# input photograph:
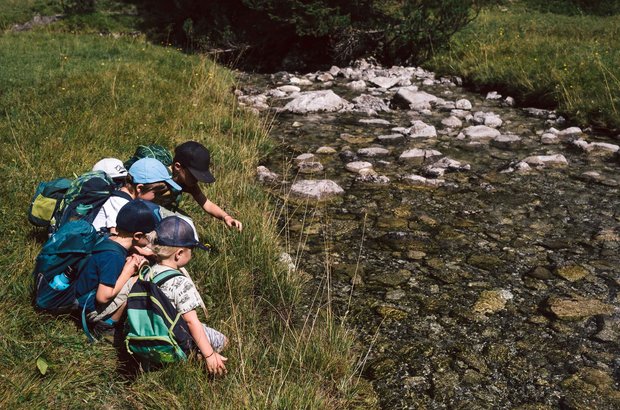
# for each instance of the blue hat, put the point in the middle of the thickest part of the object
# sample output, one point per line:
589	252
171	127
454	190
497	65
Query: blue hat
177	232
138	216
149	170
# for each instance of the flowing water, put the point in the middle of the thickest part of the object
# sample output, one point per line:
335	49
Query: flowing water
493	290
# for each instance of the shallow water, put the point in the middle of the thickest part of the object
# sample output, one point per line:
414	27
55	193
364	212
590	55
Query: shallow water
441	282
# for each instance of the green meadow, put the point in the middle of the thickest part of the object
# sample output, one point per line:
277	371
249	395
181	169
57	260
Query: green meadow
542	58
69	98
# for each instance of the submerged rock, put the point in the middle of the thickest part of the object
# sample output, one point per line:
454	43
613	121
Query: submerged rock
491	301
418	156
578	308
357	166
542	161
572	273
481	133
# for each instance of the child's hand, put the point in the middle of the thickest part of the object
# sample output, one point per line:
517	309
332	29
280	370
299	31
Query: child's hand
233	223
136	261
215	364
143	250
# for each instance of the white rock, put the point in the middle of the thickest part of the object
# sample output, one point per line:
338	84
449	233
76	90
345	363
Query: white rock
451	165
310	167
370	104
325	77
384	82
296	124
418	155
289	89
546	160
509	101
373	151
334	70
325	150
462	114
276	93
316	101
357	166
410	97
420	129
401	130
481	133
570	131
421	181
506	141
376	121
428	81
265	175
316	189
307	157
390	137
493	95
549	138
463	104
493	121
596	148
452	122
359	85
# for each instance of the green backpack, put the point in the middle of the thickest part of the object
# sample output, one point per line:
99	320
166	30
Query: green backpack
46	201
155	331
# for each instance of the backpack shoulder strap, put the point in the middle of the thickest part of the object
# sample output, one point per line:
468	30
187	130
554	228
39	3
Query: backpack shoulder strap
165	276
121	194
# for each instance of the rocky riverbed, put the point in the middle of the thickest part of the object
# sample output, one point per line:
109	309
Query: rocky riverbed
472	244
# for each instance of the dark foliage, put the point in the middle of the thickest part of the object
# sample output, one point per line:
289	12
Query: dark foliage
296	34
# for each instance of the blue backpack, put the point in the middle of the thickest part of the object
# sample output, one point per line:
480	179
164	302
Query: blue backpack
46	201
57	265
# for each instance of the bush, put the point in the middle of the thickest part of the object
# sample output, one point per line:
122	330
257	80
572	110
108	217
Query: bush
301	33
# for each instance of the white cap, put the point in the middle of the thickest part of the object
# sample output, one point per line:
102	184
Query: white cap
111	166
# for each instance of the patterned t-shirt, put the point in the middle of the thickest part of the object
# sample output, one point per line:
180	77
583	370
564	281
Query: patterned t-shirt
180	290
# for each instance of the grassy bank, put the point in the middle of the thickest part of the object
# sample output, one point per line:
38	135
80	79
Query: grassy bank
68	100
571	62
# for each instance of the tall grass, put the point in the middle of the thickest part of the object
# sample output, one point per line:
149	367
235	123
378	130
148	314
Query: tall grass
543	59
70	100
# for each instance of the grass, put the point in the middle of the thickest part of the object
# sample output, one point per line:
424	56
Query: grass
68	100
571	62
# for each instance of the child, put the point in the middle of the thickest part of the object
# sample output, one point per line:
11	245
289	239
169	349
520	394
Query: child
103	283
114	168
172	244
147	179
190	165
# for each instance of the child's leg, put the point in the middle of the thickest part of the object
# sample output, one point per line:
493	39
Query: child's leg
217	340
114	309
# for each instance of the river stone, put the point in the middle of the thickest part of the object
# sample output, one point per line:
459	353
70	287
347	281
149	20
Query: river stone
317	101
384	82
300	81
374	121
485	261
325	77
357	166
590	388
418	155
493	95
609	330
369	104
506	141
452	122
390	137
265	175
407	97
491	301
549	138
481	133
540	272
420	129
572	273
542	161
316	189
310	167
596	148
289	89
389	312
421	181
416	255
325	150
578	308
395	294
359	85
369	175
307	157
463	104
373	151
356	139
570	132
607	235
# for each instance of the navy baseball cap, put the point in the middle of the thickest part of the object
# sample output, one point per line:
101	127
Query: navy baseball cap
196	158
177	232
138	216
149	170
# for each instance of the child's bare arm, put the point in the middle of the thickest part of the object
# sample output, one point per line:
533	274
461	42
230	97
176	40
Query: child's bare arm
215	361
106	294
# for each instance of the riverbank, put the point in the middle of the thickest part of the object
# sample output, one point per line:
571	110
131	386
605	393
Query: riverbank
543	60
70	99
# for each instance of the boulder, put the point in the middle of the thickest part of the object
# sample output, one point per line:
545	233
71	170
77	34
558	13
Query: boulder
384	82
542	161
481	133
316	189
357	166
317	101
578	308
359	85
407	97
463	104
370	104
419	156
419	129
452	122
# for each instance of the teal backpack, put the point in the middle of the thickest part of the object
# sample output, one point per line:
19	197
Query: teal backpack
156	334
61	259
46	201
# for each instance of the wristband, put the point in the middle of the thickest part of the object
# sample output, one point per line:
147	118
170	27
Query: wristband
212	353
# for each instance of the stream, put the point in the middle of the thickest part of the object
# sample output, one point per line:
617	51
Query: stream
472	245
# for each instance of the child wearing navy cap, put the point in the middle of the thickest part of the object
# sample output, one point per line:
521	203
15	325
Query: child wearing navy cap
190	165
103	284
172	243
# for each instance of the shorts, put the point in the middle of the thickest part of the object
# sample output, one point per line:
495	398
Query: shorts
218	341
